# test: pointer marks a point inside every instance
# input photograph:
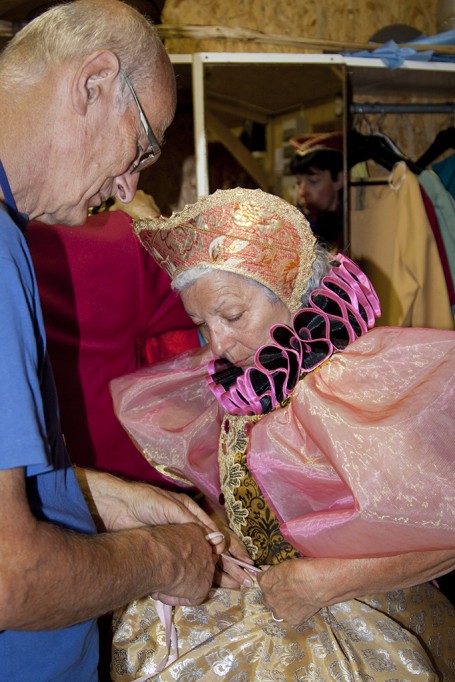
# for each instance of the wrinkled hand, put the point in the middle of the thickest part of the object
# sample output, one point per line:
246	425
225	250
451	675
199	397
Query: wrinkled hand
122	504
150	506
295	590
188	561
182	560
291	591
228	574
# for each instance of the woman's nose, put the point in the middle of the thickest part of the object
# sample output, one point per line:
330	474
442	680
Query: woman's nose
219	342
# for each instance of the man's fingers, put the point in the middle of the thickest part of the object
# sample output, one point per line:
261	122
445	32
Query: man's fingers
175	601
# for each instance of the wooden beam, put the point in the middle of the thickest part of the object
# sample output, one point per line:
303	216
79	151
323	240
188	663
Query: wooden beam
238	151
196	32
238	110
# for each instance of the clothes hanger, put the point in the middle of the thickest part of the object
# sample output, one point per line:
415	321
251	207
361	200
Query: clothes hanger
444	140
379	148
386	139
356	151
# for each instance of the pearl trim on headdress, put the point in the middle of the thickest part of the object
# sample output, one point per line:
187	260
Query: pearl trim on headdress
245	231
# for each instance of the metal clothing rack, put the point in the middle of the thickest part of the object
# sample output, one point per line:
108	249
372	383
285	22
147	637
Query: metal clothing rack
365	182
402	108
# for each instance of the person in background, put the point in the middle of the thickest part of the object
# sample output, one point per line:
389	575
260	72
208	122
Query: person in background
326	444
87	92
318	168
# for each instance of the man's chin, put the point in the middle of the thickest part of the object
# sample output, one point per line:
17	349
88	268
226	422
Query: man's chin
308	210
70	218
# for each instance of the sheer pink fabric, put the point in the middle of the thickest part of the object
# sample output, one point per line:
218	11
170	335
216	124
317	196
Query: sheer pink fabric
170	414
359	463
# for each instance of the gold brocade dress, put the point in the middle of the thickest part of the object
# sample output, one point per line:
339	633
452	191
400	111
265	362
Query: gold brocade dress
393	637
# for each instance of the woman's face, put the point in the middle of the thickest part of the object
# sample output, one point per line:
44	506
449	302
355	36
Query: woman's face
233	315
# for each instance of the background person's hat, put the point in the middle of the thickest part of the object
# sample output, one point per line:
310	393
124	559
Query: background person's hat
309	144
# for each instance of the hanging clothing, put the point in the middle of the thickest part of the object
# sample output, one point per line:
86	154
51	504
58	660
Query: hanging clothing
392	241
433	220
444	206
445	170
108	309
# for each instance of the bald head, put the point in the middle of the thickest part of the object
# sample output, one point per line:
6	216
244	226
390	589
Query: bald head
76	29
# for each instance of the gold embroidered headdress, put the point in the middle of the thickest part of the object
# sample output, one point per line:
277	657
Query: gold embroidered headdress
244	231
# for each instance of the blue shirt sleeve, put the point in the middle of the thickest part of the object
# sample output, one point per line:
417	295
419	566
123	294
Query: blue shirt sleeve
22	355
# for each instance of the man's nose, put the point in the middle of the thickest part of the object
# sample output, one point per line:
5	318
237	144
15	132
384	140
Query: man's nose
302	188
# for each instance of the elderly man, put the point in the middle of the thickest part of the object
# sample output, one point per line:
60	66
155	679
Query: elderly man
86	94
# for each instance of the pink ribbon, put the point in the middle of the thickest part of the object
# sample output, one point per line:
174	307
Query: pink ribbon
164	612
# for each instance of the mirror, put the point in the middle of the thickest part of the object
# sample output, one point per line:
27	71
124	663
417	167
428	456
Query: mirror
253	109
235	116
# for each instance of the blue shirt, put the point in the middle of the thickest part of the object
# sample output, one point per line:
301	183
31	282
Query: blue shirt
31	438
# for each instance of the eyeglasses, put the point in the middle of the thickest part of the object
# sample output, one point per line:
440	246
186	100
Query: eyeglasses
152	155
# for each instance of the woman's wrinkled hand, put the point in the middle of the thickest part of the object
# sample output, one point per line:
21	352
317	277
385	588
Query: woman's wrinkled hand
291	591
229	574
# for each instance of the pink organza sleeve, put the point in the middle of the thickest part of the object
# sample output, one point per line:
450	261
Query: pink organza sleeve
173	418
362	461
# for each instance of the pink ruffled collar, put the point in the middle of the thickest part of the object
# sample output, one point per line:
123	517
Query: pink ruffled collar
342	309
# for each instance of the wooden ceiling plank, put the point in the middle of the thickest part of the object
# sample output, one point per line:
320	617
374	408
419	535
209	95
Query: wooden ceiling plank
238	151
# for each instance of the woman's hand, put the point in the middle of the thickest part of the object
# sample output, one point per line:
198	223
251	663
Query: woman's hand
291	591
228	573
295	590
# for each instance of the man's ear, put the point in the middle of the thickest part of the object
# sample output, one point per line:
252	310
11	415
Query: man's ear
96	74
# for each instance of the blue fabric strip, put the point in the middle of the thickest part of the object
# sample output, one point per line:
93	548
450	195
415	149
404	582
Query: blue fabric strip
7	193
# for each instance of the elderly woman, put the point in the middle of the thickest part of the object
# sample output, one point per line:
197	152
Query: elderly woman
328	446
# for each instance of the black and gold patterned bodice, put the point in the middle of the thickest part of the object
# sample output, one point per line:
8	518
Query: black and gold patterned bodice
249	515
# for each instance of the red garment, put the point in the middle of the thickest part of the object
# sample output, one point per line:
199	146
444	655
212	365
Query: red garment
108	309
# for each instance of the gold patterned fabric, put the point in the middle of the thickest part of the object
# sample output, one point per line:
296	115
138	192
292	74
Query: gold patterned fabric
249	515
233	637
395	637
245	231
